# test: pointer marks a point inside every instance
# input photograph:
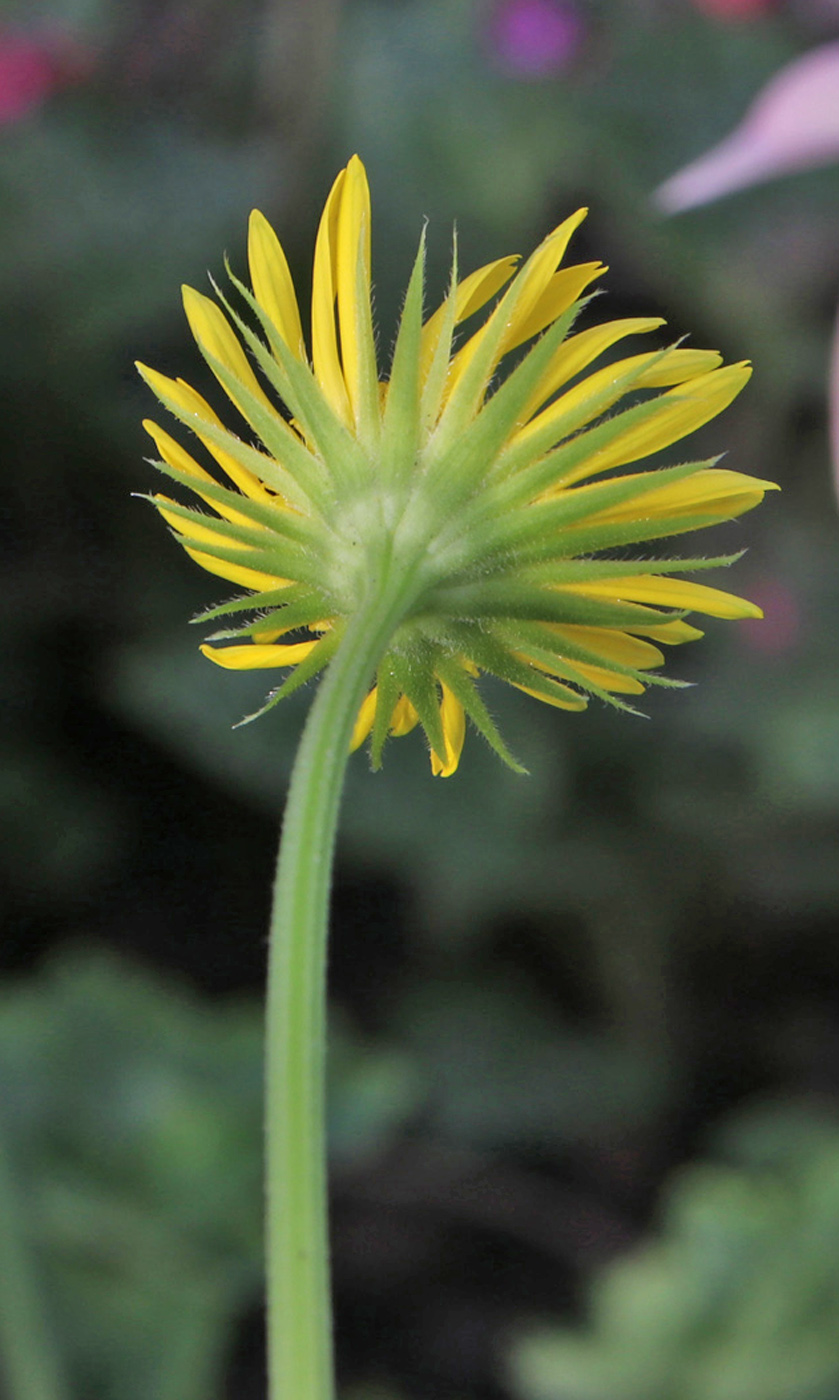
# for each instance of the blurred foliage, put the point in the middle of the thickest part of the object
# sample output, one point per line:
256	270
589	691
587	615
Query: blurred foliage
738	1296
134	1113
544	989
134	1117
133	1110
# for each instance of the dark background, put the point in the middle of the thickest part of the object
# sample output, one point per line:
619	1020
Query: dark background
585	1052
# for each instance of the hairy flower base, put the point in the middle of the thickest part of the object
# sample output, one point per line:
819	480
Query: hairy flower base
497	508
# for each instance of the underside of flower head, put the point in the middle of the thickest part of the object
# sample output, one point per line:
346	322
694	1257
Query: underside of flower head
501	497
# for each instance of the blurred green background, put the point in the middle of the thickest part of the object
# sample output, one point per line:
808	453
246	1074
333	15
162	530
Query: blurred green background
585	1058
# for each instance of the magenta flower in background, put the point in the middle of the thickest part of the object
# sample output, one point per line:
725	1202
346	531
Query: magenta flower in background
34	66
27	75
793	124
536	38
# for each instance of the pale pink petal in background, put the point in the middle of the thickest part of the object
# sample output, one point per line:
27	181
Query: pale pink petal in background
792	124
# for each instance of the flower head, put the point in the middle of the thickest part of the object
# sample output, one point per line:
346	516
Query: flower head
496	504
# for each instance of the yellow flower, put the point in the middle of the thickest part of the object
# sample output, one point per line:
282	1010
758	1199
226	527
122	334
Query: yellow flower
502	500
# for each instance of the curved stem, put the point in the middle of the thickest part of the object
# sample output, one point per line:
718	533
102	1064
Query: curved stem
299	1305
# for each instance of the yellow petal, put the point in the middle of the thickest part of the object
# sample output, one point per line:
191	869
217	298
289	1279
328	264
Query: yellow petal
236	573
470	295
577	352
670	633
595	394
560	702
213	333
520	303
267	634
667	593
272	283
679	412
564	288
715	491
194	529
257	658
535	278
172	452
404	717
612	645
364	721
176	456
609	680
191	402
480	287
354	315
188	400
676	366
325	358
454	732
601	676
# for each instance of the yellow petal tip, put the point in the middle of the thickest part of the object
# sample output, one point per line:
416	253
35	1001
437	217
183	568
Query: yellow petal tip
193	298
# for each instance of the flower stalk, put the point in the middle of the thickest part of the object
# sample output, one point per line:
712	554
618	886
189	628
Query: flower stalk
299	1304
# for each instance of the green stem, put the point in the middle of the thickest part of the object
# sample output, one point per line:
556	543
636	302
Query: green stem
299	1305
29	1368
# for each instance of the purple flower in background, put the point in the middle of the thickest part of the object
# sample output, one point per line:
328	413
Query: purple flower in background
536	38
793	124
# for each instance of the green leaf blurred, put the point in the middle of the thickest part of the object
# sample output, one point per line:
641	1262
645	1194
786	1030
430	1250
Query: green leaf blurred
133	1111
736	1296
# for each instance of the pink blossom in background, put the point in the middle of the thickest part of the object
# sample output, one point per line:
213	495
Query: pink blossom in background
32	67
27	75
536	38
734	9
780	628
